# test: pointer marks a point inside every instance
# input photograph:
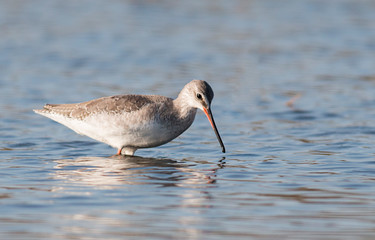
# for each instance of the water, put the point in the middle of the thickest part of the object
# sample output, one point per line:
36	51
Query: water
303	171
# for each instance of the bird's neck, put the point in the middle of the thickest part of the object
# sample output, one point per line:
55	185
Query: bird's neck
184	109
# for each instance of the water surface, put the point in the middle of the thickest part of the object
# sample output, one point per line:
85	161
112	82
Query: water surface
294	102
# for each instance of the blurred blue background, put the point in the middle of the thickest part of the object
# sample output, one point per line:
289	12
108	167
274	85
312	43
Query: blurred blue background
294	102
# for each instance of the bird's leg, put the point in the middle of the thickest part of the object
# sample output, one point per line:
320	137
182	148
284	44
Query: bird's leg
128	151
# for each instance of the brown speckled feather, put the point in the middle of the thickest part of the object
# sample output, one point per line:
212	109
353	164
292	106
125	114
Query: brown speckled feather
114	104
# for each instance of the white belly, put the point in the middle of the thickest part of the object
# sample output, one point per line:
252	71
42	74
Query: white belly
119	131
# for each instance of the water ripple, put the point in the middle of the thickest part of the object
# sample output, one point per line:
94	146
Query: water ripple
294	97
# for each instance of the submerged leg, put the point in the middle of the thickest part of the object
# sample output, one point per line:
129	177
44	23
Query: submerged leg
129	151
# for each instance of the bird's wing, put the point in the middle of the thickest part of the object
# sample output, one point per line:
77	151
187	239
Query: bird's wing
112	105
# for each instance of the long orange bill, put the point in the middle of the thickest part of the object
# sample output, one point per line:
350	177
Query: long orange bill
211	119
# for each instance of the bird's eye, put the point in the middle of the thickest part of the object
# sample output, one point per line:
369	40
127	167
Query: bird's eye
199	96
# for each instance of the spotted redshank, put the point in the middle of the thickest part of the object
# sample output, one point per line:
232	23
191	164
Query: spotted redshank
130	122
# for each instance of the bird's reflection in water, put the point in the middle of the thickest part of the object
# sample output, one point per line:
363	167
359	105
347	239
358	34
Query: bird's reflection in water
117	171
175	186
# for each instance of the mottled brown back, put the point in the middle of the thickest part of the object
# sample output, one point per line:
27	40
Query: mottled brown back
111	105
